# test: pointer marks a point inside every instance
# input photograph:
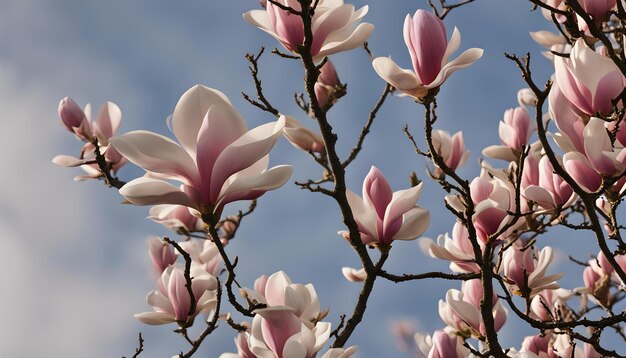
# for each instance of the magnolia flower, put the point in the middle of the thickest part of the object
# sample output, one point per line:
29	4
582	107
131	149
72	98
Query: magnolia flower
104	127
551	41
526	97
176	217
279	291
527	273
457	249
600	158
493	199
217	161
570	124
327	85
335	26
451	149
204	254
172	302
74	120
546	188
243	350
589	80
384	216
161	254
548	304
461	310
425	38
277	332
538	345
515	130
597	8
302	137
441	345
354	275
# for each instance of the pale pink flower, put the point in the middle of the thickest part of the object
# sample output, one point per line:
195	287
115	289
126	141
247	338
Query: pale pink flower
336	26
218	160
354	275
515	130
204	254
600	158
279	333
302	137
442	344
545	305
176	217
526	97
589	80
172	302
107	122
549	190
384	216
425	38
74	120
597	8
493	199
461	310
278	291
525	271
538	345
161	253
570	124
243	350
326	84
457	249
451	149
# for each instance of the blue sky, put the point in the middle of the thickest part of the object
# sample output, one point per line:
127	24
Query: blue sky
74	265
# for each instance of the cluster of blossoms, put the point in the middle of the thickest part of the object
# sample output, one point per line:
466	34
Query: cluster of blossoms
217	160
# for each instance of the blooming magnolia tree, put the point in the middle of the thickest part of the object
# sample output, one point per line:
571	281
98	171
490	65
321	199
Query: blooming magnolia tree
562	162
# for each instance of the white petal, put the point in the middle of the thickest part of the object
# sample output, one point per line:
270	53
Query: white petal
156	153
146	191
467	58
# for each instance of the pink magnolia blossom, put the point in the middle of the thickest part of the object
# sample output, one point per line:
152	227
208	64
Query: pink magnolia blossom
302	137
451	149
568	121
461	310
589	80
515	130
204	254
335	26
442	344
326	84
599	158
493	199
538	345
279	333
176	217
243	350
74	120
425	38
79	122
172	302
161	254
527	274
279	291
597	8
545	305
340	352
547	188
354	275
218	160
457	249
384	216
